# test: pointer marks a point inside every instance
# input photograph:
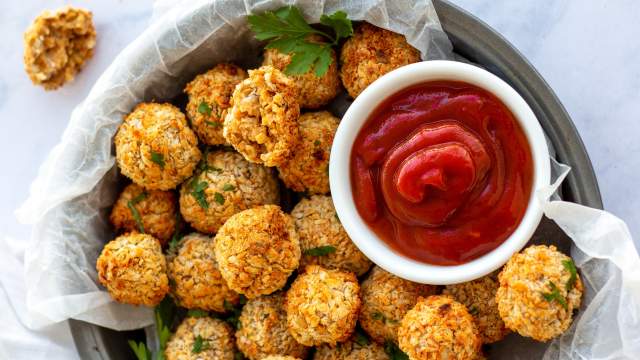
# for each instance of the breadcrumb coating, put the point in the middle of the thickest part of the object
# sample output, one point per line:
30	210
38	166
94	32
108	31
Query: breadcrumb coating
155	148
370	53
351	350
479	296
133	269
322	306
439	327
318	225
308	168
57	45
279	357
226	185
216	338
313	91
257	250
157	210
386	299
209	99
263	329
262	121
525	279
196	281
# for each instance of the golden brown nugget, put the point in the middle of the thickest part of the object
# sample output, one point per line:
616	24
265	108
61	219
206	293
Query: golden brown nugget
215	338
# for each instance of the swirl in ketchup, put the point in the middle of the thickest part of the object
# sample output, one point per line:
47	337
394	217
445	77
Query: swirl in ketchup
442	172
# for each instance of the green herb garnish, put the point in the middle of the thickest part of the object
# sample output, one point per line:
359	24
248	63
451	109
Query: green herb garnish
158	159
235	312
197	191
141	350
177	236
555	295
571	267
473	311
197	313
288	32
238	356
228	187
131	204
360	338
200	345
316	143
218	198
393	351
164	315
215	124
377	316
320	251
204	108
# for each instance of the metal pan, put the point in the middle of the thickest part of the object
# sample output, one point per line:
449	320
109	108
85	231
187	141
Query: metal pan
477	42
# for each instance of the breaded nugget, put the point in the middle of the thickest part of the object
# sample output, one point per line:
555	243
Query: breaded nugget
257	250
479	296
280	357
201	338
319	228
134	270
225	185
263	329
308	169
439	327
209	97
351	350
196	282
262	123
322	306
370	53
539	290
386	299
155	148
57	44
149	211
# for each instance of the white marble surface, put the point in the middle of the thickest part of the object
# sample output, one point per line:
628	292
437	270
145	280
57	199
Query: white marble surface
587	51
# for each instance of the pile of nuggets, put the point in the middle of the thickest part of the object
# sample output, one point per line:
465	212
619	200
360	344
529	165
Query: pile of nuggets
304	287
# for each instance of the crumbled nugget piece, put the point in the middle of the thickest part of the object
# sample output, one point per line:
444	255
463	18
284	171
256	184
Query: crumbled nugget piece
319	228
133	269
322	306
370	53
538	293
439	327
155	148
386	299
57	44
280	357
313	91
263	329
225	185
196	281
155	209
351	350
257	249
262	123
308	168
209	99
479	296
201	338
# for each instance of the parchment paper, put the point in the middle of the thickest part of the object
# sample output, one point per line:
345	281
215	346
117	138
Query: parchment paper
76	185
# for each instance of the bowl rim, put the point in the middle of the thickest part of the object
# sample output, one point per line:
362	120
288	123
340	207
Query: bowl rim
340	176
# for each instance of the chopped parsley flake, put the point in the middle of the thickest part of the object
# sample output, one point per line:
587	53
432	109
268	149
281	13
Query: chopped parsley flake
473	311
158	159
316	143
228	187
377	316
571	267
204	108
555	295
215	124
200	345
131	204
197	313
320	251
218	198
197	191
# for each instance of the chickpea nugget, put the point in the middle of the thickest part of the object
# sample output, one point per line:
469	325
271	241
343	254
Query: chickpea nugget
57	44
209	97
280	357
308	169
439	327
539	290
370	53
133	270
201	338
257	250
262	121
322	306
155	148
351	350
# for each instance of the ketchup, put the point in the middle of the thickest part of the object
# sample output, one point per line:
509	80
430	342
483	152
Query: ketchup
442	172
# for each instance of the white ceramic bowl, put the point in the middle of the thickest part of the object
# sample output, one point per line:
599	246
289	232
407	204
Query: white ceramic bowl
339	169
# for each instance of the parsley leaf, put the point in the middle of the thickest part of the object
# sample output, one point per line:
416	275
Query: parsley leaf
571	267
555	295
394	351
131	204
204	108
288	32
197	191
228	187
218	198
238	356
320	251
197	313
215	124
473	311
316	143
200	345
235	312
177	236
360	338
140	349
377	316
164	314
158	159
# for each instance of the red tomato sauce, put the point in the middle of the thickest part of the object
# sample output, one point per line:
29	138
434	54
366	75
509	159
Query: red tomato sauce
442	172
